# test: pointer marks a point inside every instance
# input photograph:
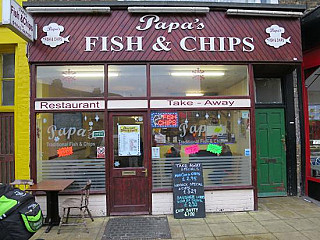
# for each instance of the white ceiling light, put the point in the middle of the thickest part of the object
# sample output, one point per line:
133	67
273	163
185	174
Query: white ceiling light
68	9
168	9
191	74
194	94
90	74
261	13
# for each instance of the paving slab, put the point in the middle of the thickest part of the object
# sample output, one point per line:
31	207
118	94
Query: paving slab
301	224
263	215
197	230
290	236
277	226
250	227
224	229
240	217
263	236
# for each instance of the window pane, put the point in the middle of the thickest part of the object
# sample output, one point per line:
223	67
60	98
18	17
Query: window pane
220	140
196	80
70	81
8	65
128	129
8	93
66	148
127	81
314	126
268	90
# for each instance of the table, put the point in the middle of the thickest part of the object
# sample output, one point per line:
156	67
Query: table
52	189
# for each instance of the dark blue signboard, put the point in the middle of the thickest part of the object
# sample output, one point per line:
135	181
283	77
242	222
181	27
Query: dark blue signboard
164	119
188	191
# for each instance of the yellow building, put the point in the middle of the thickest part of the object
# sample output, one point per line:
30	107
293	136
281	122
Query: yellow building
14	106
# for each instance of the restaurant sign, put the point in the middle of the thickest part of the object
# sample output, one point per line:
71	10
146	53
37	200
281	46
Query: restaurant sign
200	103
70	105
18	20
162	37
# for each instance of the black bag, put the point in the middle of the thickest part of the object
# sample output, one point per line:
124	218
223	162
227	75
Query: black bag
20	215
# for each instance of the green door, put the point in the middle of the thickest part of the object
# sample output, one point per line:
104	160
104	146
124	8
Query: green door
271	152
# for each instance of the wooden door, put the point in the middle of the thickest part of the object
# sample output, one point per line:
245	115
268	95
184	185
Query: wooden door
271	152
129	176
6	148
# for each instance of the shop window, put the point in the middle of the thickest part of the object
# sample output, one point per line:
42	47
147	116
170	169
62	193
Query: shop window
70	81
313	87
268	90
7	78
220	140
198	80
127	81
71	146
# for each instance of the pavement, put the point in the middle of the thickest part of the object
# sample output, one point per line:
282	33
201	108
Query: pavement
282	218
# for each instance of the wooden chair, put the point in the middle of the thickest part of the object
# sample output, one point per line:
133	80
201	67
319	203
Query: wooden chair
22	182
80	204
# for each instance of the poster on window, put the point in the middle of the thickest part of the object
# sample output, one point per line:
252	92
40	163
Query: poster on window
129	140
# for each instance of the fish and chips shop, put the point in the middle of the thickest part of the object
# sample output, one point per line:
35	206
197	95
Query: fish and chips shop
121	96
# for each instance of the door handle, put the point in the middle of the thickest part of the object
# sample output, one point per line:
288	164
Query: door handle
145	171
283	140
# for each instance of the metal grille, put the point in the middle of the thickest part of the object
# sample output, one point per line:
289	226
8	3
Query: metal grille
80	170
217	171
6	148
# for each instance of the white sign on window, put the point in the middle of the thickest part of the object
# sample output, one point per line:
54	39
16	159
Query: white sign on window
155	152
18	20
129	140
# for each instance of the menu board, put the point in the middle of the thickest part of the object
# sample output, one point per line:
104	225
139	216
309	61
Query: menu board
129	140
188	191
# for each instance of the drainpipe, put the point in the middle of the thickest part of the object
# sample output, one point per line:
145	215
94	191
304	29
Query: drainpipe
297	126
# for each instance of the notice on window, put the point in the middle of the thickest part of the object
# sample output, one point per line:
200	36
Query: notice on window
129	140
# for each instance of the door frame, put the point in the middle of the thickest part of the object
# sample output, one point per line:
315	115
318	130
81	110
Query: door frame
287	86
146	147
285	163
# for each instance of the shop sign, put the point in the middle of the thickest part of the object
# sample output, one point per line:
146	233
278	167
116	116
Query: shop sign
18	20
163	44
70	105
100	133
276	40
200	103
164	119
53	37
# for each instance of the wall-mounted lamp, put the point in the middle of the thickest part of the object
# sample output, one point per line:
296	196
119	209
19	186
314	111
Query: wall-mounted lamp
262	13
168	9
68	9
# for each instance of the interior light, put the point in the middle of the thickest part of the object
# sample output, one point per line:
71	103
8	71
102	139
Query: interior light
191	74
90	74
194	94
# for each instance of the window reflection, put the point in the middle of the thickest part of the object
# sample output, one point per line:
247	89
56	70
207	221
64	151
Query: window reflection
127	81
313	85
198	80
71	146
70	81
220	140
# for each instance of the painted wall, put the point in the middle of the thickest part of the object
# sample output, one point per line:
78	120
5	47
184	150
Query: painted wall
10	42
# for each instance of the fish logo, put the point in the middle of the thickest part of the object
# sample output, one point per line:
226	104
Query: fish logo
276	40
53	37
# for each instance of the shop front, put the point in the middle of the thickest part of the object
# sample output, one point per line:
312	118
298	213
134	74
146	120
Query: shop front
119	97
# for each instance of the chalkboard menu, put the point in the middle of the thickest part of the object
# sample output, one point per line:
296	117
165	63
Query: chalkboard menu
188	191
